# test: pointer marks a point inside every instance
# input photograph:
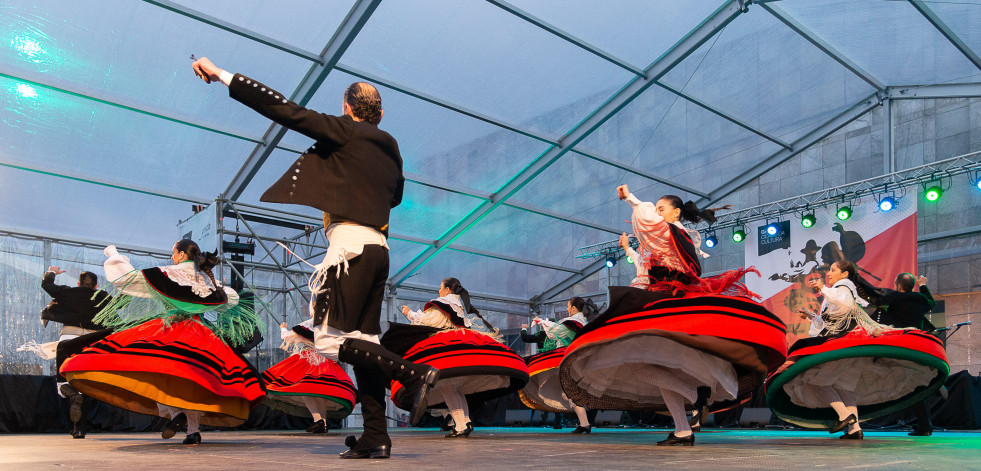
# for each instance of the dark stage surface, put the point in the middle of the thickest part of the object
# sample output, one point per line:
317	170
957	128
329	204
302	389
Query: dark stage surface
503	448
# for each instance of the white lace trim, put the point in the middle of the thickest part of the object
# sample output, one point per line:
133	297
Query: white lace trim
185	274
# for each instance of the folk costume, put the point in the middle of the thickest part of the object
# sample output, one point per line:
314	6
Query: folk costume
473	362
854	369
353	173
171	354
544	389
308	380
686	342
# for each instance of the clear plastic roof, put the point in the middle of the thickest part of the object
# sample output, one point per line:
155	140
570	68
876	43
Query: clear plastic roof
516	120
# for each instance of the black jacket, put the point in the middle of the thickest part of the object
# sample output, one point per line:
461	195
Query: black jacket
903	309
353	172
74	306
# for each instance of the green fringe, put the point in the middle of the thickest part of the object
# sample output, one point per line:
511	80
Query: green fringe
235	326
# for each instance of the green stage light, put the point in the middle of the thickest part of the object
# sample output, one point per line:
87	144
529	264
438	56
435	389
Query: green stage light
844	213
933	193
630	260
738	235
808	220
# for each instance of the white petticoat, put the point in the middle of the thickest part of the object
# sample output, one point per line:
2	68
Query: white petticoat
874	380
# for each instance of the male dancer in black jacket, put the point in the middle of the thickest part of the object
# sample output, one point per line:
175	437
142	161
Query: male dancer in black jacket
353	173
903	308
73	307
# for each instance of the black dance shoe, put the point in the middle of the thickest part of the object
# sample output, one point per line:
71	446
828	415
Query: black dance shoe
464	434
581	429
447	424
700	408
841	424
919	432
75	411
177	423
193	438
675	441
319	426
76	433
856	435
378	452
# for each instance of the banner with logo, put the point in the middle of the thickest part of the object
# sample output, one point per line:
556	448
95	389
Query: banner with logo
882	244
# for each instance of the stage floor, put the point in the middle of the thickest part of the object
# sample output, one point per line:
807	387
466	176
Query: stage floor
508	448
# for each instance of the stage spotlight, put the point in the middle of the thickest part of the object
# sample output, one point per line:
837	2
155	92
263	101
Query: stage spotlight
611	261
887	203
711	240
738	235
630	260
771	229
933	193
808	220
978	184
844	212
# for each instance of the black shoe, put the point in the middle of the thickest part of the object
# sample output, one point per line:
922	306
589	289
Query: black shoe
378	452
856	435
920	433
193	439
447	425
700	408
76	433
75	411
179	422
675	441
417	379
841	424
581	429
319	426
464	434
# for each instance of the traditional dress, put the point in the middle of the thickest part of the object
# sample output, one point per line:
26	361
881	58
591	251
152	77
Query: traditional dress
544	389
308	379
472	363
853	363
173	358
684	341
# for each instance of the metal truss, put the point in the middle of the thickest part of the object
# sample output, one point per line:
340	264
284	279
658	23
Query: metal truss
722	17
946	31
882	184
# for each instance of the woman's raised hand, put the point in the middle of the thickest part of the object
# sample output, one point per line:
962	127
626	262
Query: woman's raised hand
623	192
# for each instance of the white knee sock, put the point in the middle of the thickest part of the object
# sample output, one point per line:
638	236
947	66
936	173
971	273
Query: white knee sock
583	418
830	395
193	421
676	406
316	405
851	405
666	379
457	405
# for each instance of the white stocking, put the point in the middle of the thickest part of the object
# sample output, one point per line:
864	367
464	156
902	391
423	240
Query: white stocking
667	380
457	405
830	395
851	404
193	421
583	418
316	405
676	406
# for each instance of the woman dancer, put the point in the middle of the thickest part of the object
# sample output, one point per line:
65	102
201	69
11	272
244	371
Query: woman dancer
544	391
308	379
687	340
853	368
172	359
472	361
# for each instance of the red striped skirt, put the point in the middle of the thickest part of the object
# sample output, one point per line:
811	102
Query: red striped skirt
183	365
544	389
291	379
887	374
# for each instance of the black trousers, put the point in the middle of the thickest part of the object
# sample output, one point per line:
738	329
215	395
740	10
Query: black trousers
353	302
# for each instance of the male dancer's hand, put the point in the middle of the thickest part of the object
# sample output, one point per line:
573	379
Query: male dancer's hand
206	70
623	192
55	270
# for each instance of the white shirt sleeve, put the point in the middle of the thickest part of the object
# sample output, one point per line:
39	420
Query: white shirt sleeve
644	211
226	77
817	325
122	275
840	301
638	263
285	333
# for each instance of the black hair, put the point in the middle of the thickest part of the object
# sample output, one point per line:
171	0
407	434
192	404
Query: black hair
203	261
365	102
905	282
584	305
88	279
690	211
456	288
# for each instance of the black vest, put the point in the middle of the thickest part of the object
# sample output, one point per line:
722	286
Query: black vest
72	306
